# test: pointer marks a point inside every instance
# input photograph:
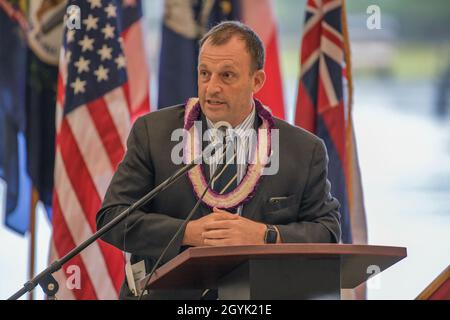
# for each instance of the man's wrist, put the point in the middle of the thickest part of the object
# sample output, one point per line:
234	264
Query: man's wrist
188	239
271	235
278	234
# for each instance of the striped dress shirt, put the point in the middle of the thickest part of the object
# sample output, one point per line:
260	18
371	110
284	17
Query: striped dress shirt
243	145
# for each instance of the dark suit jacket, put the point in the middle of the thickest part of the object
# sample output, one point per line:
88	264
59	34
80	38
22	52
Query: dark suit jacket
308	213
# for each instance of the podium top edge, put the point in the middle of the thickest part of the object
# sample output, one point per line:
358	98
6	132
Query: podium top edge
296	248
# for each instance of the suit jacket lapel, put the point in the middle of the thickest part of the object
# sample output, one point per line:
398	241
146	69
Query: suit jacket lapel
204	144
251	208
203	208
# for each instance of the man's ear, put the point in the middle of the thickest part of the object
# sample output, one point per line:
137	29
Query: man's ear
258	80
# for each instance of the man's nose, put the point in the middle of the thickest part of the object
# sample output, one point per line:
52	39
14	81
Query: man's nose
214	85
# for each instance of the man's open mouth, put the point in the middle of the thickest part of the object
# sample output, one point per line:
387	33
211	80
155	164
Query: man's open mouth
214	102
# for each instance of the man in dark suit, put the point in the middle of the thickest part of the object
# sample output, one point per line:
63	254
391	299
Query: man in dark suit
243	206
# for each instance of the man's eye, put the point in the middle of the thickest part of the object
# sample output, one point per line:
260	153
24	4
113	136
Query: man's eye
203	73
227	75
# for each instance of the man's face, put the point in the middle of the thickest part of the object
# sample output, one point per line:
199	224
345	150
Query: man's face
226	83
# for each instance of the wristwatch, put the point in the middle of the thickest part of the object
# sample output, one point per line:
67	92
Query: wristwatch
271	234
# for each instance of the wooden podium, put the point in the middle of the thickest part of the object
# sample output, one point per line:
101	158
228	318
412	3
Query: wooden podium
275	271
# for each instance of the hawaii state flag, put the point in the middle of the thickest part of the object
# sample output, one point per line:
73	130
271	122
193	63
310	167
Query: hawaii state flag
324	108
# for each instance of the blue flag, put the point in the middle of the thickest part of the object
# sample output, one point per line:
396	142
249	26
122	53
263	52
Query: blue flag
27	109
13	123
40	129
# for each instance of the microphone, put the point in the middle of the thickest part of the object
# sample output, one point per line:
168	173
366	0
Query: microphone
144	283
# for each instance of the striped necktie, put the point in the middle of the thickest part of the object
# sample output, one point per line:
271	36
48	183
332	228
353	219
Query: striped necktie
226	180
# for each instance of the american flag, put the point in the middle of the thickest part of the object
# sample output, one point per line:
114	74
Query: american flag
324	107
102	88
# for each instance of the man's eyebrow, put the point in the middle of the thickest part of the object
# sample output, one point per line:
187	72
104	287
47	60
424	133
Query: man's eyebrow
229	66
224	67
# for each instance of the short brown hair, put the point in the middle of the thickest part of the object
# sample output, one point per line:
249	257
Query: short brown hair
224	31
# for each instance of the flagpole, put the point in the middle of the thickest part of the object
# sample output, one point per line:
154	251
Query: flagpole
32	249
360	292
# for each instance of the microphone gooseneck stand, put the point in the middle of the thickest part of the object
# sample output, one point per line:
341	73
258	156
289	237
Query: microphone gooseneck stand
46	280
183	225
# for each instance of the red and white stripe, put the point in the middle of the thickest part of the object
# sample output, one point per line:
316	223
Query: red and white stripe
90	143
138	87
